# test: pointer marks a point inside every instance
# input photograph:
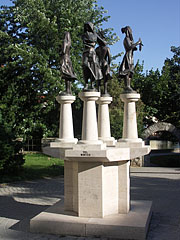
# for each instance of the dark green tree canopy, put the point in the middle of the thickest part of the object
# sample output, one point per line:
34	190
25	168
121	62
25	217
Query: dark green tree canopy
31	34
160	92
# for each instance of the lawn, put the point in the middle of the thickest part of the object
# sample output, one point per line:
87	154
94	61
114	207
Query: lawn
36	166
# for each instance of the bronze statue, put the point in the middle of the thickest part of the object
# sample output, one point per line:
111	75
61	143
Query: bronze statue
66	64
126	69
103	53
91	69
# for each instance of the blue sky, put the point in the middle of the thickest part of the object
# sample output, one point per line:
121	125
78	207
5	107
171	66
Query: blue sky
157	22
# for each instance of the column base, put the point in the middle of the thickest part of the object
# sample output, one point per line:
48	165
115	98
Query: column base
91	142
67	140
63	143
130	142
110	141
134	225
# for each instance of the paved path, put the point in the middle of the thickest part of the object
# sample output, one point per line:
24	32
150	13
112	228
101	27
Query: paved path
20	201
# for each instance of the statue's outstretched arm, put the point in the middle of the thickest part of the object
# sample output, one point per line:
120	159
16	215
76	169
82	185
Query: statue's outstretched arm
108	56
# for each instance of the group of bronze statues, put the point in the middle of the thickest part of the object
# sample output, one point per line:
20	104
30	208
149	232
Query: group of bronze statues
96	61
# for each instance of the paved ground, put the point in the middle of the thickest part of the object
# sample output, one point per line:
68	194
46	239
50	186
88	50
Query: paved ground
20	201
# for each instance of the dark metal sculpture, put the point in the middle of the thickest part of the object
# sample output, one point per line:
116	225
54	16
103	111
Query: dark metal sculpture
126	69
66	64
103	53
91	69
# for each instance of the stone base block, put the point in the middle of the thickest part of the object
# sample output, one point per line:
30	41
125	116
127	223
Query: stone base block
133	225
57	150
109	154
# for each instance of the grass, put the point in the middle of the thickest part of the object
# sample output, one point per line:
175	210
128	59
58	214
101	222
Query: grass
36	166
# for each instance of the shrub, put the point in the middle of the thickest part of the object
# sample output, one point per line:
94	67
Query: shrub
11	157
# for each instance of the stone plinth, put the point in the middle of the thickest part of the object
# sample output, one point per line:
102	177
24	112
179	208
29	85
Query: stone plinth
106	185
89	122
100	176
104	131
56	220
96	177
66	131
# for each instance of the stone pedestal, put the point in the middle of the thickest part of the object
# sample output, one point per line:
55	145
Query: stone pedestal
130	133
97	197
106	185
97	177
104	131
89	122
66	131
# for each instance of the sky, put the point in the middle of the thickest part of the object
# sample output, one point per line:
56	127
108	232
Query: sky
156	22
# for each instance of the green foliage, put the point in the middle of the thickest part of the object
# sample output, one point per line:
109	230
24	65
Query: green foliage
116	107
160	92
11	157
31	34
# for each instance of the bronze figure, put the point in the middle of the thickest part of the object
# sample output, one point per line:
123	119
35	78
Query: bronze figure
103	53
66	64
91	69
126	69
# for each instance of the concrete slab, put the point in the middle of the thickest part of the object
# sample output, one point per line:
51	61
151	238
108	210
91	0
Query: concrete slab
133	225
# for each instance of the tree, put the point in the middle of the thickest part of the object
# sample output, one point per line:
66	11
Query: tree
116	107
11	157
160	92
31	34
170	105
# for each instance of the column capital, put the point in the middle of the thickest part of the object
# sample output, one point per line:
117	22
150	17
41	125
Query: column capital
65	99
89	96
104	100
130	97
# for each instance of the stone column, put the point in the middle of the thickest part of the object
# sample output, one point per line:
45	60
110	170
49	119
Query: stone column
104	131
89	123
130	133
66	131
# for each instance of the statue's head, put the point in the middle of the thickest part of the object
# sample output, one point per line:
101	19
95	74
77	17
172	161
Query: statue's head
88	26
101	38
128	31
67	36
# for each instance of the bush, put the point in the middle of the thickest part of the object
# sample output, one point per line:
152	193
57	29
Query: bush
11	157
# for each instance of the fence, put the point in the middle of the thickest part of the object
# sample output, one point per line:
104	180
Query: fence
32	145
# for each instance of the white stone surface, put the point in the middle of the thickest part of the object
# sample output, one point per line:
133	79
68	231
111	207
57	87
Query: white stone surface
109	154
131	143
106	185
71	186
133	225
124	186
104	131
66	131
110	189
89	122
129	122
90	190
